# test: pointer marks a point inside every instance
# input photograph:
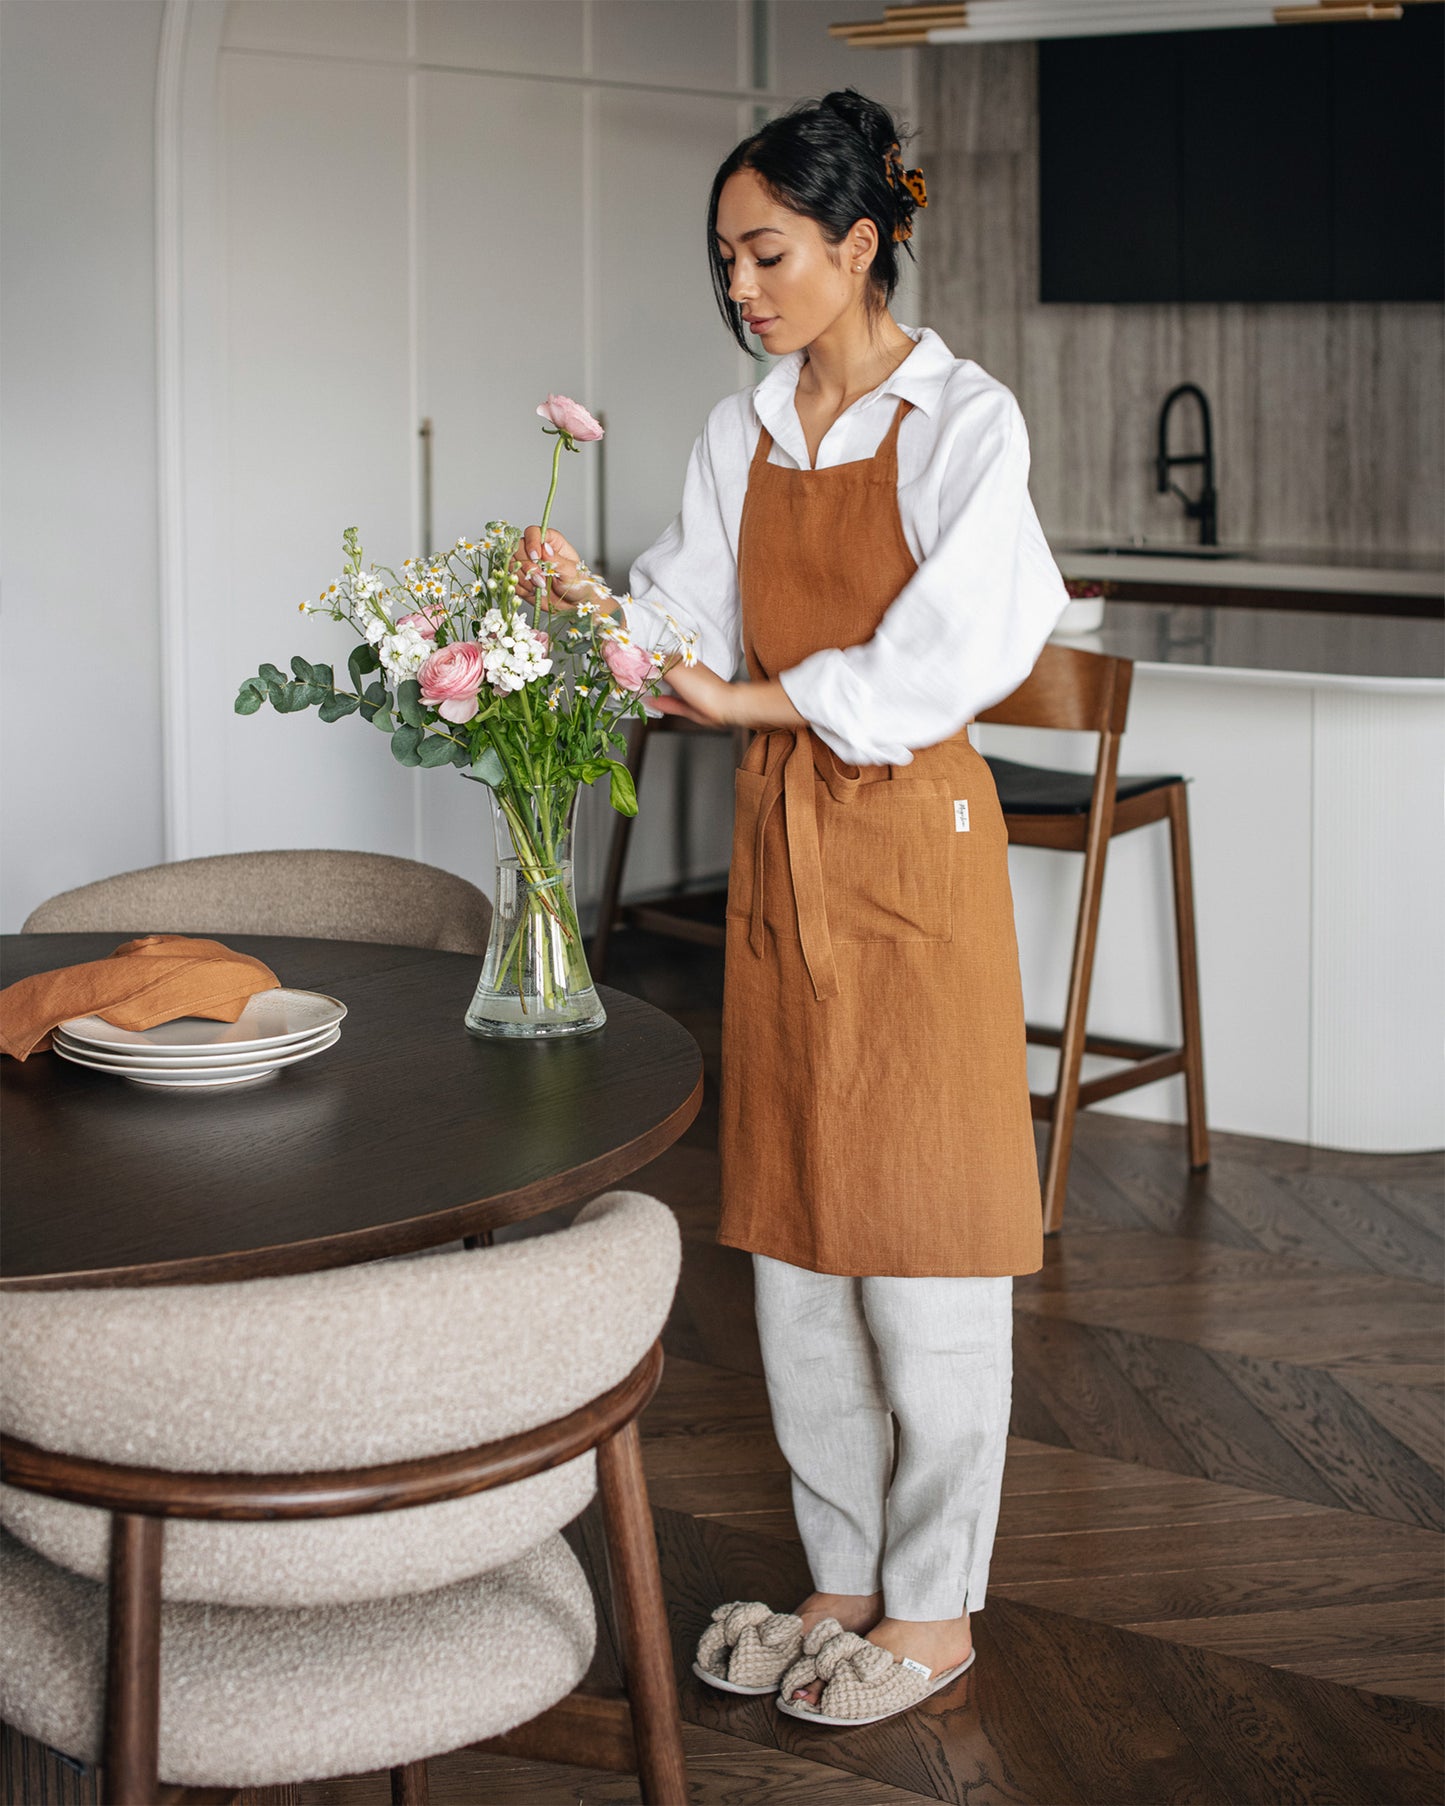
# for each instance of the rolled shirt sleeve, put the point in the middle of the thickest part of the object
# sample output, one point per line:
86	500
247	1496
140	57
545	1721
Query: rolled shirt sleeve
967	627
691	571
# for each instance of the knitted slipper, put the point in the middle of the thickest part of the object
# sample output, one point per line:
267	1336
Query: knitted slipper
864	1683
805	1670
747	1646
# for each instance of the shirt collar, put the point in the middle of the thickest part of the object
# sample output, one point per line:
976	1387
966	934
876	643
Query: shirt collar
920	378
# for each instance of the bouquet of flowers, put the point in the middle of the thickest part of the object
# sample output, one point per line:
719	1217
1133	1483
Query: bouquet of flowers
457	670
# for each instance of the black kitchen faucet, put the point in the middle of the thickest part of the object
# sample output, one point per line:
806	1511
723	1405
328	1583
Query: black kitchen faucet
1202	508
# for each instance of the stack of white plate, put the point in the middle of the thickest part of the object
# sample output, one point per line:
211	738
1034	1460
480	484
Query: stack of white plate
276	1029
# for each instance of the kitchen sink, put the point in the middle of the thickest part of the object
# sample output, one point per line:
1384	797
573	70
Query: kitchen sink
1134	551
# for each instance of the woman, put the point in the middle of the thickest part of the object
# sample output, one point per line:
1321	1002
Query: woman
858	525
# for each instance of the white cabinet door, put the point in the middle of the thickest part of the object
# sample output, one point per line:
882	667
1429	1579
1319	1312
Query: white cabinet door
312	433
665	358
672	43
503	276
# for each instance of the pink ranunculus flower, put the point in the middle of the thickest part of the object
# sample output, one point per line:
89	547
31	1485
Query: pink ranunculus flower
631	666
570	416
425	620
451	678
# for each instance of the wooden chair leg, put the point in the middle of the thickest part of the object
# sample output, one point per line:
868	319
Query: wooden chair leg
616	862
1071	1040
133	1662
642	1619
1188	978
409	1785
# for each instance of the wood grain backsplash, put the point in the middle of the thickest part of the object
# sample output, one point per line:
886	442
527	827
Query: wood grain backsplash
1327	417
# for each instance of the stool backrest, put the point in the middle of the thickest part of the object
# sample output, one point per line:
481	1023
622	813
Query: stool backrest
1086	692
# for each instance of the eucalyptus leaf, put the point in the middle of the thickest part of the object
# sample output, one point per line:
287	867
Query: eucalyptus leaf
271	676
435	750
382	719
336	706
323	675
305	672
408	703
377	695
248	701
404	743
488	768
461	754
363	659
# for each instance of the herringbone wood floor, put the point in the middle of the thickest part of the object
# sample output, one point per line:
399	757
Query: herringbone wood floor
1217	1577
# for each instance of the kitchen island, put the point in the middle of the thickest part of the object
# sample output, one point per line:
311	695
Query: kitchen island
1314	744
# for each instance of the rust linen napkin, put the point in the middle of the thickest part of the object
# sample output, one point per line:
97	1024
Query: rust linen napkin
155	979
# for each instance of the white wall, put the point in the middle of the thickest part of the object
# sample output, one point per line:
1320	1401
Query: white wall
80	735
322	144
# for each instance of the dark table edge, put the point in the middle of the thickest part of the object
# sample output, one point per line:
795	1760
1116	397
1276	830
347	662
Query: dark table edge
430	1231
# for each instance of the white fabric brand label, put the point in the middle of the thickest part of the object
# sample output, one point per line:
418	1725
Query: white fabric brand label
908	1661
960	817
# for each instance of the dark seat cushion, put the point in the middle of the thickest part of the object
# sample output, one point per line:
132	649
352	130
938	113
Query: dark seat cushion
1036	790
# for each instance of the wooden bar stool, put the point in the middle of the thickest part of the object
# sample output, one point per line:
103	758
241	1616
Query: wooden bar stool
1088	692
678	917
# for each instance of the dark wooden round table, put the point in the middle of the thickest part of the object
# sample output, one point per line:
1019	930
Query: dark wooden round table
407	1134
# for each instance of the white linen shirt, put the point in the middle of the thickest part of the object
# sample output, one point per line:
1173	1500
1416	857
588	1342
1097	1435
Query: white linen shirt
966	628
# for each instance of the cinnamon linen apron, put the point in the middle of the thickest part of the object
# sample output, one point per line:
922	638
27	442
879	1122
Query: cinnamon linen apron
875	1104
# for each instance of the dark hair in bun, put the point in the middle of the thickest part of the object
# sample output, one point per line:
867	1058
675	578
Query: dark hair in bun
834	161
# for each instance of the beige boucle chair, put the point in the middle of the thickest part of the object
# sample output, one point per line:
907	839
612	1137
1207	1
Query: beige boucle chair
317	895
403	1443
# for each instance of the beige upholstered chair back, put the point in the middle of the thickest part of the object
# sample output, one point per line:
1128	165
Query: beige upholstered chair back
343	1369
319	895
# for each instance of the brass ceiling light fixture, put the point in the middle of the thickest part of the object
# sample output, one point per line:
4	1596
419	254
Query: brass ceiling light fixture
993	21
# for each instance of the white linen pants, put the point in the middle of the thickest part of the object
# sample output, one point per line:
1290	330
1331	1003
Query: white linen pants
846	1360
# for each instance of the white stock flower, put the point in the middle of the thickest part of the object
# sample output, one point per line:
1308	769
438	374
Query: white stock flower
404	652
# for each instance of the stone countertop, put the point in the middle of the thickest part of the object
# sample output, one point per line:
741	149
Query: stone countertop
1258	567
1273	645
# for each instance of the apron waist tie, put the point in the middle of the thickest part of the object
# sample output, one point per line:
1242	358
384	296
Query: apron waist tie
794	777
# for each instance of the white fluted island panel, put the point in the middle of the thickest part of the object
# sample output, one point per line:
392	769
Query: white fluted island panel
1319	869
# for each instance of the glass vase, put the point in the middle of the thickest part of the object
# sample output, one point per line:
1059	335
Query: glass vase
535	984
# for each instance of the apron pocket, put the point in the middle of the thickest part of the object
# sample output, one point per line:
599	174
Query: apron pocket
888	858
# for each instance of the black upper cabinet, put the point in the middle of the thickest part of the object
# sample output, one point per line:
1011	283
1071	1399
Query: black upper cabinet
1272	163
1389	165
1109	215
1254	179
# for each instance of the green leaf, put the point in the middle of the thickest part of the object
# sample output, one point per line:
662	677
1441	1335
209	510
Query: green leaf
592	769
435	750
623	791
488	768
270	676
363	659
377	695
461	755
303	669
249	700
323	675
404	743
298	698
408	703
381	718
335	707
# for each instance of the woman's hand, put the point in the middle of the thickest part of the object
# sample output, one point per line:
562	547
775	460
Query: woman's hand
704	697
567	588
